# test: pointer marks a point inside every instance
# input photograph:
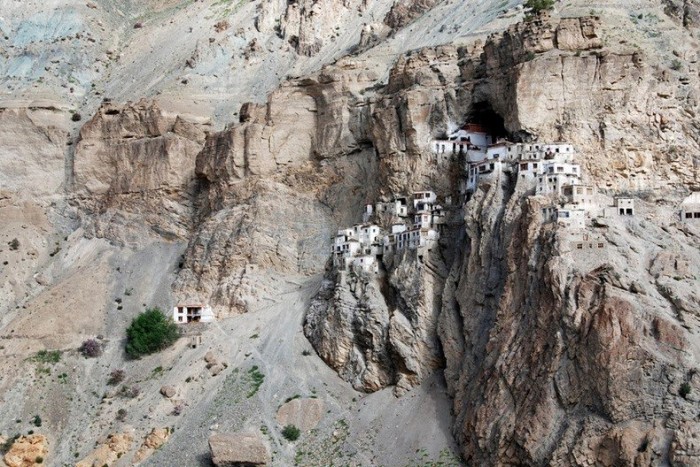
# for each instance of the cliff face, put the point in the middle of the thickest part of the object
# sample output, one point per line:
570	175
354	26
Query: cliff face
551	355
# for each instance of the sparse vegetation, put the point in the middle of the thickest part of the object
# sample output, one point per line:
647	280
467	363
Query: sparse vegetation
291	433
121	415
116	377
47	356
289	399
257	379
306	352
39	460
8	444
676	64
537	6
130	392
13	244
91	348
150	332
177	410
684	390
36	421
76	117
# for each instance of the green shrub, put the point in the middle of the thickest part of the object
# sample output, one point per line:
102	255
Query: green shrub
150	332
37	421
14	244
676	64
47	356
291	433
684	390
39	460
536	6
256	380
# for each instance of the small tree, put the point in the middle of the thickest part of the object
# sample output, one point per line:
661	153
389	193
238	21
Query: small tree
536	6
291	432
150	332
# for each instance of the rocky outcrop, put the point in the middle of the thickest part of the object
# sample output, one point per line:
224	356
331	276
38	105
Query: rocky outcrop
308	26
403	12
304	414
34	139
554	82
27	451
109	451
135	164
378	331
238	450
154	440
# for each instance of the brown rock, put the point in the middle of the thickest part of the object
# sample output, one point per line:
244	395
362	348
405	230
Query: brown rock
238	450
26	451
168	391
210	358
305	414
155	439
107	453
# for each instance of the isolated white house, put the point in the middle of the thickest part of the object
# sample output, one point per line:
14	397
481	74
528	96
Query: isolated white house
625	206
690	207
193	313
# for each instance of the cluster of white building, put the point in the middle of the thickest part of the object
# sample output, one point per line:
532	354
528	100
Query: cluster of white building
411	226
550	170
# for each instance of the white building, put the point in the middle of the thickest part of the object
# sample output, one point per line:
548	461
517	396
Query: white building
583	196
424	200
471	136
366	263
588	242
625	206
690	207
359	240
193	313
397	207
554	176
571	218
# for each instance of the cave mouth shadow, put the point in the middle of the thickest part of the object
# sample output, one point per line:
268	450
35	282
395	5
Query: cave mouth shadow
483	114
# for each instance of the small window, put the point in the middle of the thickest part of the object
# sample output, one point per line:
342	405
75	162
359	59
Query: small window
688	215
579	246
697	215
600	245
534	165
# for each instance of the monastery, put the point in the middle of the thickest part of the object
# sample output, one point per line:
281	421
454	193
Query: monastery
413	226
548	171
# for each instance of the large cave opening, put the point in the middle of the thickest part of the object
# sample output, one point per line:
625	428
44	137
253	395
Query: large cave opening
483	114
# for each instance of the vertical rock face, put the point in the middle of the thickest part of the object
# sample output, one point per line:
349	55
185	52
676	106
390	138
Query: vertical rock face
135	165
309	25
403	12
380	331
554	82
552	356
557	357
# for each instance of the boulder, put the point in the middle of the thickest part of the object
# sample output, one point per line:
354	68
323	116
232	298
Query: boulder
27	451
239	449
168	391
155	439
108	452
210	358
305	414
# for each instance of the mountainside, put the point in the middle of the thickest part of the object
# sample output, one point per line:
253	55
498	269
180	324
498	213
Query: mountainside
167	153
